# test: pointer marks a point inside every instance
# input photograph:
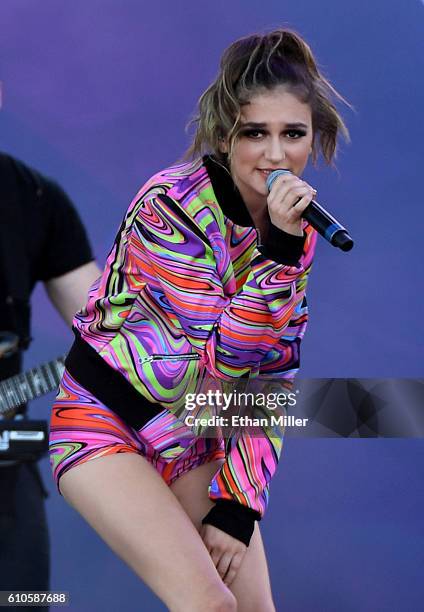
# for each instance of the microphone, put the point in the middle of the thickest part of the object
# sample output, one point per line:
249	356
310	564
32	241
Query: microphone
320	219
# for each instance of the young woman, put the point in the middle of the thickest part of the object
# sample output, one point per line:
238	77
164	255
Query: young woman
205	281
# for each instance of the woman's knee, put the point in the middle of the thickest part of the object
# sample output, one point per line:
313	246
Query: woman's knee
223	601
262	605
227	605
215	598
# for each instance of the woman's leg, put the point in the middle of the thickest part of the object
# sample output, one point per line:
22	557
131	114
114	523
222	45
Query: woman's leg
251	586
131	507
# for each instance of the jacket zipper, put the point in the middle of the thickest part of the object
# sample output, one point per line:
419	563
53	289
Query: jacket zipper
150	358
259	239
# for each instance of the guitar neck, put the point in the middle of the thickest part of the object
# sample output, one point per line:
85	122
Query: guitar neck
24	387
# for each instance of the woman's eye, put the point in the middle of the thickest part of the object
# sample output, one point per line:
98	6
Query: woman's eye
293	134
254	134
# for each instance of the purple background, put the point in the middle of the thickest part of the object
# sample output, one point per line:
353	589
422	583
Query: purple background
97	94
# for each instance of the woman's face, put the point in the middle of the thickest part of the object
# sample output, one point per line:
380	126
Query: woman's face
276	132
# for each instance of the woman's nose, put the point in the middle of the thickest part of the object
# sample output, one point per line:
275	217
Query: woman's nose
275	150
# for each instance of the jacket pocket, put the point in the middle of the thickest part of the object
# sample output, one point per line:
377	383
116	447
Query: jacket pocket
167	432
163	357
169	378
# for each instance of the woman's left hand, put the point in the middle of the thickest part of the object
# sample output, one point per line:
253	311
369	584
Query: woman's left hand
226	552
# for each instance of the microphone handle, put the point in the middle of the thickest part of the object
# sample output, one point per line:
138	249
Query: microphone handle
327	226
319	218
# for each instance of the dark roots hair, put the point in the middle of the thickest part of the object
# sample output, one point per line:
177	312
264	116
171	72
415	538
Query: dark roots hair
263	62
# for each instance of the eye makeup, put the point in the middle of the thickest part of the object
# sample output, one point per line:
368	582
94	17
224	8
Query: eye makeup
255	133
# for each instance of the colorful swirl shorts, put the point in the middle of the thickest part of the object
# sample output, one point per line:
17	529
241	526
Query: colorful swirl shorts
82	429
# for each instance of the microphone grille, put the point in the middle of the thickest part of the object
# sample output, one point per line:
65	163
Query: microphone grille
271	177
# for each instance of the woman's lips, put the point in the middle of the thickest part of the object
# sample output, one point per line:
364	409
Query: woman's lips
268	172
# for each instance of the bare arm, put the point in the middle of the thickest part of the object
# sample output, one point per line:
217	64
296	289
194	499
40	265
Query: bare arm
68	292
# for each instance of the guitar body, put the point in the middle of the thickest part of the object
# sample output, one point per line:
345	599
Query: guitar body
23	439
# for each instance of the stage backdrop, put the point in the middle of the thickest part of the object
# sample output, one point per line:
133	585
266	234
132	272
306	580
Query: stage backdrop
96	94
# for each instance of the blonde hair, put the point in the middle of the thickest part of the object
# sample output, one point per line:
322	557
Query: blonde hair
263	62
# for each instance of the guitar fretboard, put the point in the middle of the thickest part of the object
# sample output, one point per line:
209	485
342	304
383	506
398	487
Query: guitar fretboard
21	388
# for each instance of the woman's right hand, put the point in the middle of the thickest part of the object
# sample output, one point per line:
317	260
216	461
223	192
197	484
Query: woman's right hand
288	198
226	552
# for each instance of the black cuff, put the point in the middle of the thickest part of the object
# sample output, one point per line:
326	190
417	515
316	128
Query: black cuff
233	518
282	247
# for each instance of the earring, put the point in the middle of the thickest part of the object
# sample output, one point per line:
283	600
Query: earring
222	144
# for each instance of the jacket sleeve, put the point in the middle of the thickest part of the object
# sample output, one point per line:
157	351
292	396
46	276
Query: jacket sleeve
232	332
240	488
232	329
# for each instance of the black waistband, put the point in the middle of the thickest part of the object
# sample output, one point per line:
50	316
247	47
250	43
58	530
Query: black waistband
108	385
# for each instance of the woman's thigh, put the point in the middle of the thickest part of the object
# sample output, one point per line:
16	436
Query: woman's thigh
127	502
251	586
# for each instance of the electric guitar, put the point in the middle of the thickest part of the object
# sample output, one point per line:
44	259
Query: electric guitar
21	388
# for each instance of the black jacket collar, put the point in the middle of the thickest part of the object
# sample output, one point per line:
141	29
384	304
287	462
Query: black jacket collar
228	196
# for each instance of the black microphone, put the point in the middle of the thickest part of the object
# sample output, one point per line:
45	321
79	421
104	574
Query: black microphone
320	219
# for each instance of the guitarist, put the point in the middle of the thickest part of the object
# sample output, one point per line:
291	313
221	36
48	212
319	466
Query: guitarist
41	239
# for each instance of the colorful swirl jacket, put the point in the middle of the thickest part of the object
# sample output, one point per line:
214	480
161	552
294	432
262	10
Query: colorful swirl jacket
189	291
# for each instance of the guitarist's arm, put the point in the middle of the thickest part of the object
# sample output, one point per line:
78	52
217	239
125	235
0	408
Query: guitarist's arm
68	292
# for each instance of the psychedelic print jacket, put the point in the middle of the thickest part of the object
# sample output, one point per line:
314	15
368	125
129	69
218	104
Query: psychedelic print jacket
189	291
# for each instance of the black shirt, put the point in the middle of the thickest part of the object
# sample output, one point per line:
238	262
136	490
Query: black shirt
41	237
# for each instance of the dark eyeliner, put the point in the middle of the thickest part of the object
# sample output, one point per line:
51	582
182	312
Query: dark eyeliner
298	133
251	131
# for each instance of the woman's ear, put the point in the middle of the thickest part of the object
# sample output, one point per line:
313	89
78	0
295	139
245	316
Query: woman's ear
222	145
